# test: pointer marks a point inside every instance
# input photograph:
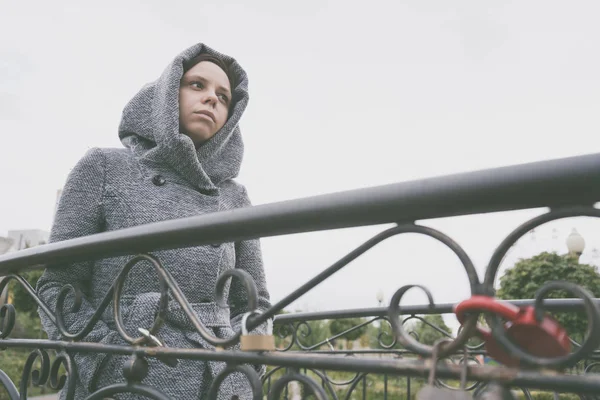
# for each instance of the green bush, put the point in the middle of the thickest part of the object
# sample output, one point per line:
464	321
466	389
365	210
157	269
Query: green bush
27	326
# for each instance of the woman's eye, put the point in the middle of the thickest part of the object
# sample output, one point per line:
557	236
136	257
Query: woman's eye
197	85
224	98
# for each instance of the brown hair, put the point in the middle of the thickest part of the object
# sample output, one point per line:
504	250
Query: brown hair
187	65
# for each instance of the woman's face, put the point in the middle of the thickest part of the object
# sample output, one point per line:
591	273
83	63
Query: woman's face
204	98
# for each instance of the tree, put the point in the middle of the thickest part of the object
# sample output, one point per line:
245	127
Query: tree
22	301
339	326
381	336
317	332
308	333
426	333
528	275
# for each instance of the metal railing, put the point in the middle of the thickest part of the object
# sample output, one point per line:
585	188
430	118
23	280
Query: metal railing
567	187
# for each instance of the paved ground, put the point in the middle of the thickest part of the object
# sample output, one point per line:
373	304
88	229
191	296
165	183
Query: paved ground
46	397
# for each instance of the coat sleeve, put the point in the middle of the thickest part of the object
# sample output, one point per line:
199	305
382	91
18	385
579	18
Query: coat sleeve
79	213
248	258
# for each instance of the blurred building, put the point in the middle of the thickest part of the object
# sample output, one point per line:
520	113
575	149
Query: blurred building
23	239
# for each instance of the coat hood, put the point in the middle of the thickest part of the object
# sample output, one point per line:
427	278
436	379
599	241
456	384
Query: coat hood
150	126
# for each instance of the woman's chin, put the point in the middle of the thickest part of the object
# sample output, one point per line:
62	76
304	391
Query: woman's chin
199	138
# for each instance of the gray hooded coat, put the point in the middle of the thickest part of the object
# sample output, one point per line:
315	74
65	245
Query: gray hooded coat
159	175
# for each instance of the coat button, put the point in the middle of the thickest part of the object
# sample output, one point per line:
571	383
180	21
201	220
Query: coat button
158	180
215	245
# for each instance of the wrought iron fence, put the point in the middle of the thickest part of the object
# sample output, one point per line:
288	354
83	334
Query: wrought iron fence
567	187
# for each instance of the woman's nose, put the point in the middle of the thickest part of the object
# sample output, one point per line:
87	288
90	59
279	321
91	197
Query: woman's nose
210	98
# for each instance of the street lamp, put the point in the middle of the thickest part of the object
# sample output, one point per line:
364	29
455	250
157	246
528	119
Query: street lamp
575	243
380	297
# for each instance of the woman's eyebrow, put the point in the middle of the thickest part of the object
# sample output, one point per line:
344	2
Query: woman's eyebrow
195	77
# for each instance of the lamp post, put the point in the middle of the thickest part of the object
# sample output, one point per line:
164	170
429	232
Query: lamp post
379	297
575	243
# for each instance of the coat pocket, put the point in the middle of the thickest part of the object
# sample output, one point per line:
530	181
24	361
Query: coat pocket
141	313
138	312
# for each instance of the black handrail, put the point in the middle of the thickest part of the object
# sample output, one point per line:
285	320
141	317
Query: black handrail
560	182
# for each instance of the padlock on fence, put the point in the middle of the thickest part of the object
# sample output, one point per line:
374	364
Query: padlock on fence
544	338
430	391
256	342
154	341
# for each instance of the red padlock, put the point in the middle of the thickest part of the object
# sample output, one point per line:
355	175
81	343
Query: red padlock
545	338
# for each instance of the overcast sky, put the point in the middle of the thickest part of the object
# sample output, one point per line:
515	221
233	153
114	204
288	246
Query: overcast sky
344	95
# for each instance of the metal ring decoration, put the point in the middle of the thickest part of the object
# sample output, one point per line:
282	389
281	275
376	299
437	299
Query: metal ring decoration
245	278
89	325
410	343
412	333
60	317
514	236
57	383
134	388
333	382
298	333
591	341
7	320
383	333
118	290
447	335
268	374
591	366
198	325
284	330
327	341
593	312
10	387
394	310
341	383
462	362
328	383
282	382
334	337
592	338
321	374
30	291
7	316
352	388
473	348
250	374
366	246
38	377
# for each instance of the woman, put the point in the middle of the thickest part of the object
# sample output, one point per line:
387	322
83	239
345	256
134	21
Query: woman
183	148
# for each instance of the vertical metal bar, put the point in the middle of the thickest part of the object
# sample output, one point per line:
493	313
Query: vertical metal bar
385	386
364	384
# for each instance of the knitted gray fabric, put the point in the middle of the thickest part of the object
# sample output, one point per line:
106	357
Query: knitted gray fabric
158	176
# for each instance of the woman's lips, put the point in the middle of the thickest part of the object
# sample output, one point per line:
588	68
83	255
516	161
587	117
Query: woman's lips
206	114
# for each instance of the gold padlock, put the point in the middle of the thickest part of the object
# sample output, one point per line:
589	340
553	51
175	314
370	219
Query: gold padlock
256	342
